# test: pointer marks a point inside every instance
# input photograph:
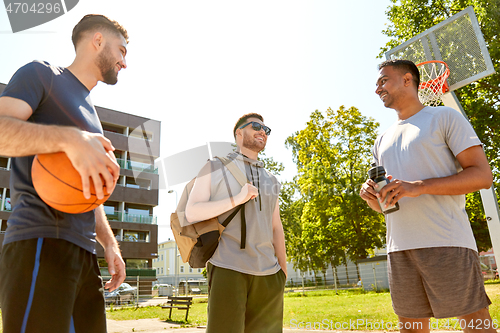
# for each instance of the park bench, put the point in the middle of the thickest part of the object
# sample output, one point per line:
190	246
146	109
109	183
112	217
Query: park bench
178	302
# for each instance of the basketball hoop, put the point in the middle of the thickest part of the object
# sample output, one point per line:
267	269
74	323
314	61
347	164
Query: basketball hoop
433	75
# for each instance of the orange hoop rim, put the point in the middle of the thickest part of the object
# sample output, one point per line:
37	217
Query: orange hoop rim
441	78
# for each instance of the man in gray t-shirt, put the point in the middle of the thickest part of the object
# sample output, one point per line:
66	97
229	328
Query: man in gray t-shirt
434	158
247	273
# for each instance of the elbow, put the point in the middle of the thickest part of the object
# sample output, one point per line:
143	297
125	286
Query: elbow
188	215
191	215
488	181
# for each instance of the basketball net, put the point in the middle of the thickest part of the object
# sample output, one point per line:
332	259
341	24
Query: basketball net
433	75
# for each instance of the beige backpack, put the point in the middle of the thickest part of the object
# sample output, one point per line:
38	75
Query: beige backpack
197	242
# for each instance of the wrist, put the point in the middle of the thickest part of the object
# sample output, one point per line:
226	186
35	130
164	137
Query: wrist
238	199
112	246
420	187
70	135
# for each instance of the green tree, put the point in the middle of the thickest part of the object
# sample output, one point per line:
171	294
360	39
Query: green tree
332	155
481	99
270	164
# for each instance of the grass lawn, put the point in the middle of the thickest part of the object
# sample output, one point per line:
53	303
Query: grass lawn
353	309
320	307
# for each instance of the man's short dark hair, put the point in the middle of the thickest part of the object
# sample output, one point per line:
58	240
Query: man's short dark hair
243	119
95	22
404	66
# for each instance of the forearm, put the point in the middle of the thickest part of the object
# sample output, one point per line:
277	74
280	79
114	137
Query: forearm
22	138
104	234
469	180
201	211
112	254
279	246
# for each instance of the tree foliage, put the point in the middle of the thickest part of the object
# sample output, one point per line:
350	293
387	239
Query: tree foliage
326	220
481	99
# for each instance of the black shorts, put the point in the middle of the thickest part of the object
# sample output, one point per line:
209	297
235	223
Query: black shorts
50	285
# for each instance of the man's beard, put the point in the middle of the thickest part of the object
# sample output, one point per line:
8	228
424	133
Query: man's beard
252	144
107	67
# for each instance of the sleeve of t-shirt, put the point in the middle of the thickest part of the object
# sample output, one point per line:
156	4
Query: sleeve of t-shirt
29	84
459	134
375	151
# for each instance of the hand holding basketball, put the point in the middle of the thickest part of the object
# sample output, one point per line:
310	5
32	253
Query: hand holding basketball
92	156
59	184
80	178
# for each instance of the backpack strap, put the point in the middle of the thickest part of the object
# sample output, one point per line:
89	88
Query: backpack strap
242	179
235	171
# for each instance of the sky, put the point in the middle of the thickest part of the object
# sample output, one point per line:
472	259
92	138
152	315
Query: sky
197	66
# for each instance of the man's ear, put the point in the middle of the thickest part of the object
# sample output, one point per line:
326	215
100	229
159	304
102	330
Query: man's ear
407	79
97	40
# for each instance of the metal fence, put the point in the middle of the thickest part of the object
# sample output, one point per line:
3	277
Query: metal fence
146	290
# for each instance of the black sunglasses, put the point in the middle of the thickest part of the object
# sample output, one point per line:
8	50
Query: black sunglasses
257	127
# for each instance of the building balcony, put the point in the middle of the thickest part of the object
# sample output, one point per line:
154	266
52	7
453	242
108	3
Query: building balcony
132	218
136	166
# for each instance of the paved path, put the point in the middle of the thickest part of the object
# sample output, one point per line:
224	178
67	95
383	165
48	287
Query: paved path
158	326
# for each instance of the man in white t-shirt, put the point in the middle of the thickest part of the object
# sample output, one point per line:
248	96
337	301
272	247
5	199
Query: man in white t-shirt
434	158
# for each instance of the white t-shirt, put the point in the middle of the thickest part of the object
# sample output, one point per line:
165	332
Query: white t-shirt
421	147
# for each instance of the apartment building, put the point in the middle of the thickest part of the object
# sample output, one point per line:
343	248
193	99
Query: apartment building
165	266
130	207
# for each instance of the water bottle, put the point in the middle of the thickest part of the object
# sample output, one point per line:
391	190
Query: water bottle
377	174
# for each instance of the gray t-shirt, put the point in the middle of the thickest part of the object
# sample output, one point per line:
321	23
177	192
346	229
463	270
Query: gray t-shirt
258	257
421	147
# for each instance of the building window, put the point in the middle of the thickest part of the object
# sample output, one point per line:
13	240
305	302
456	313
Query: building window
162	257
111	210
138	183
190	270
136	263
7	204
137	133
113	128
135	236
182	269
199	270
4	161
162	270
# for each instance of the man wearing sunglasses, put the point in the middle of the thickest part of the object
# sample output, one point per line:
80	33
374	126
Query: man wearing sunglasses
247	273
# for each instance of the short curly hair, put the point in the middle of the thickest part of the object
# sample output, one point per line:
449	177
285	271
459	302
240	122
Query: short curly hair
243	119
95	22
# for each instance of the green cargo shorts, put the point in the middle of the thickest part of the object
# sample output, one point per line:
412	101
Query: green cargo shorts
244	303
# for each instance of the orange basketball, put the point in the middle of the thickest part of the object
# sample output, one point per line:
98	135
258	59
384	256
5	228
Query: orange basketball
59	185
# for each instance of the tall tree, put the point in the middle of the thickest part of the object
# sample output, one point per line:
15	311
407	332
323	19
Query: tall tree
481	99
333	154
